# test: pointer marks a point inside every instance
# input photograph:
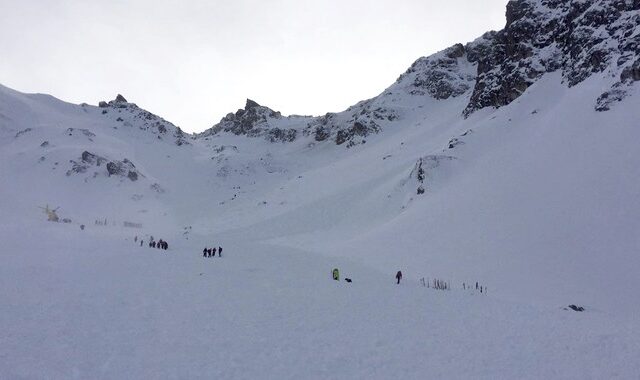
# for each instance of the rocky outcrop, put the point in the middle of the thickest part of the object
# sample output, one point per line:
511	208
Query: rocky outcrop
422	168
122	168
252	121
352	126
131	116
579	38
576	38
442	75
88	160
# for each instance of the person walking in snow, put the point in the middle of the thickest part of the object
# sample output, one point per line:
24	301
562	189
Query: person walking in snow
219	251
141	242
204	252
214	252
399	276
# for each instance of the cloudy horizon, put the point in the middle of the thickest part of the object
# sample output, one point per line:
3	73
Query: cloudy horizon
194	62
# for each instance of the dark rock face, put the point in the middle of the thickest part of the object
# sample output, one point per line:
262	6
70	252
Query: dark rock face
250	121
579	38
351	126
439	75
251	104
90	158
120	99
124	168
282	135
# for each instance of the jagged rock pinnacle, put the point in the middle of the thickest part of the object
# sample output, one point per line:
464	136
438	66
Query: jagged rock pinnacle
251	104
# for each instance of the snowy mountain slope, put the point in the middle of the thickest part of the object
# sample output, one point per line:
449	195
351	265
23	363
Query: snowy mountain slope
535	193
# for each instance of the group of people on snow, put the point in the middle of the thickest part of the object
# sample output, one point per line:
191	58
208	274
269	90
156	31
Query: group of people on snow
211	252
160	244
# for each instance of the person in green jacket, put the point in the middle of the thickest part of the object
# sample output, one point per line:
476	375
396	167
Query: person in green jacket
336	274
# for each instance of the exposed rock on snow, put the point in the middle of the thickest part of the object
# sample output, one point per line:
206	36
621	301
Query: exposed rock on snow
130	115
441	75
124	168
580	38
423	166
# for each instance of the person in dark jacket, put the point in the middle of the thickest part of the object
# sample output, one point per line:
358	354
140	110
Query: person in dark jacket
214	252
399	276
219	251
204	252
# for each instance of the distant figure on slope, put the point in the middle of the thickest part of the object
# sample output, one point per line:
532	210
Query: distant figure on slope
204	252
214	252
399	276
135	239
219	251
141	242
336	274
166	245
209	252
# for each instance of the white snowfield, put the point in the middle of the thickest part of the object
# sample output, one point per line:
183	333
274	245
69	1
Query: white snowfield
538	201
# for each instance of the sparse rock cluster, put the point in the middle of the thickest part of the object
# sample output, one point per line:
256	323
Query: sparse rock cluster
129	114
116	168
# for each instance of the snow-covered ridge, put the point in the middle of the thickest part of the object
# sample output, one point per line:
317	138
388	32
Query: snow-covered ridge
130	115
578	38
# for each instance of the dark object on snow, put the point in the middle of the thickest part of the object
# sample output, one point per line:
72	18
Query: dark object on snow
204	252
336	274
214	252
347	280
576	308
141	242
399	276
219	251
82	227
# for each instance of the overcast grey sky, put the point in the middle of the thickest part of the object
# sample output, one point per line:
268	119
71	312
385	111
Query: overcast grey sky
193	61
